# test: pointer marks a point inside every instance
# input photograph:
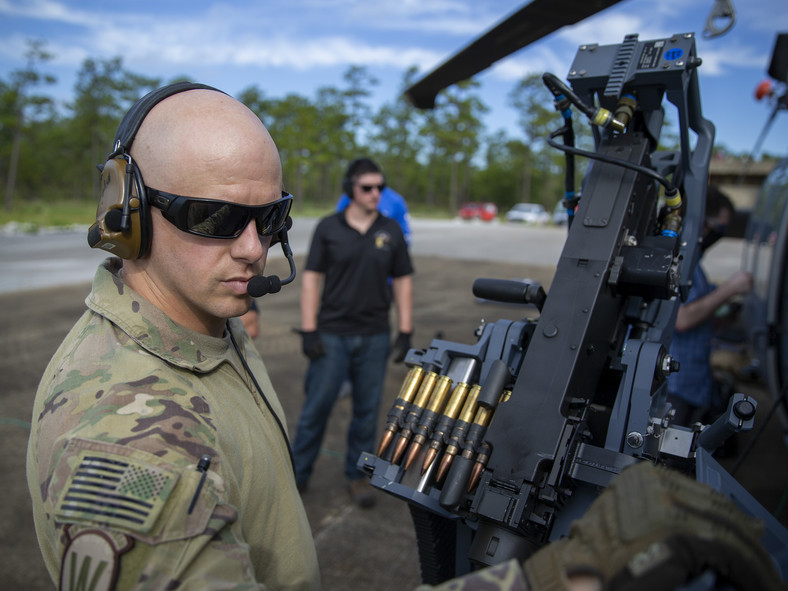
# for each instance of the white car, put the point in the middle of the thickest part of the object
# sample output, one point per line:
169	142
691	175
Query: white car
560	215
529	213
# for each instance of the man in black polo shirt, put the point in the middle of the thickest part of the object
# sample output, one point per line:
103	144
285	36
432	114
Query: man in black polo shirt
346	329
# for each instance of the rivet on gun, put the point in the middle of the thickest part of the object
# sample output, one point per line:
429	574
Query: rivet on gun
550	331
634	440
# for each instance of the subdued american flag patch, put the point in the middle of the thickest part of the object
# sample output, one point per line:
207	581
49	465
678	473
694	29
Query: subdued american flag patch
114	491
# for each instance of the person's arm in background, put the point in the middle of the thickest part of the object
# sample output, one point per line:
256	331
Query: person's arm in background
402	288
403	300
311	344
698	311
310	299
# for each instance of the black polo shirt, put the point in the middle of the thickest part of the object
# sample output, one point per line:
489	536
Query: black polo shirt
356	294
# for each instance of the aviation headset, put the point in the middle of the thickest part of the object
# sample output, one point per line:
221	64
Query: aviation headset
356	168
123	225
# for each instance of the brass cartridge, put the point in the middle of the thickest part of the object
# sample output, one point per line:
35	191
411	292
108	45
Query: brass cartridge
429	415
414	412
458	432
445	423
397	413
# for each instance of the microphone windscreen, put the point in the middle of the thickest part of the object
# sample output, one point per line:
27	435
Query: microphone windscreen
261	285
275	284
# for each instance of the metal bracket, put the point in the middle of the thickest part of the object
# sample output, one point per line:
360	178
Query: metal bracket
722	9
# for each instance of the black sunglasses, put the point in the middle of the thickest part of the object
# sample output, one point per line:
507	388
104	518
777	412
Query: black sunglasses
368	188
213	218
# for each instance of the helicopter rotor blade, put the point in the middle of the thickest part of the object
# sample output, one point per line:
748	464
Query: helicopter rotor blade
535	20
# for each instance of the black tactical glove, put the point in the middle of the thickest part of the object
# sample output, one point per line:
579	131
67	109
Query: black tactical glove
655	529
400	347
311	345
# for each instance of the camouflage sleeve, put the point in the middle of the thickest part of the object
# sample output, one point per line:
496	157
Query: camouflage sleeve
125	519
507	576
652	529
117	498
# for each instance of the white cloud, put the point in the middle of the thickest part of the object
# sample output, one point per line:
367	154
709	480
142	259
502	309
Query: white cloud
48	10
536	61
719	59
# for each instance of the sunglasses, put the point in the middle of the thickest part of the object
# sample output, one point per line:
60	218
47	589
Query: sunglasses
213	218
368	188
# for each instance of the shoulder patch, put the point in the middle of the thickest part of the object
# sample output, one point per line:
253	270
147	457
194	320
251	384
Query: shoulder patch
90	561
114	491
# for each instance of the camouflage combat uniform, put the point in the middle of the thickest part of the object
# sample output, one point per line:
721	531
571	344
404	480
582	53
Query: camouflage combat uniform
126	409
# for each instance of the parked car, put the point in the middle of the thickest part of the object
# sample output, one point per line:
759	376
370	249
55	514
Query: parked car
474	210
560	216
529	213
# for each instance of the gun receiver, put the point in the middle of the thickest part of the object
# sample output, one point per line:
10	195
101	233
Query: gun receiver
585	383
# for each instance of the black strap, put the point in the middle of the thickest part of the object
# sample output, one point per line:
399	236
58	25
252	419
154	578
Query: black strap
262	395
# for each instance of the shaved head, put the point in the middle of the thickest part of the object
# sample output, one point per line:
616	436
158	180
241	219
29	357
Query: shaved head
197	132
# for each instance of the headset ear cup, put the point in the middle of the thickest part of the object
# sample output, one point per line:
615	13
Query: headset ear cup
108	232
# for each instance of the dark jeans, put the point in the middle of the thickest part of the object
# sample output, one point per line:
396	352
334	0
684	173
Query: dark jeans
362	358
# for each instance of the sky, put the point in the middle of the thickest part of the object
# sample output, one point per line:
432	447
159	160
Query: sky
297	46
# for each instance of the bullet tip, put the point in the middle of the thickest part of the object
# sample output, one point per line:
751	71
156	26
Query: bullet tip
429	457
412	453
384	442
399	448
444	466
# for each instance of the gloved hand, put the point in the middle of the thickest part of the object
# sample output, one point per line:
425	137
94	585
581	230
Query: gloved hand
655	529
311	345
400	347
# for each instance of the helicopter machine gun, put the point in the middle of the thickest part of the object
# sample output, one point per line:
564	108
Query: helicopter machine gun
499	444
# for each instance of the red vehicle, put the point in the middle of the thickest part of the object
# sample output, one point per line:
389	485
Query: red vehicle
474	210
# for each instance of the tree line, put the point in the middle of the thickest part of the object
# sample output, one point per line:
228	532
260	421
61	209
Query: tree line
436	158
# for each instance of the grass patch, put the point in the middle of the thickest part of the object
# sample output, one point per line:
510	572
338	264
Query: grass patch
32	215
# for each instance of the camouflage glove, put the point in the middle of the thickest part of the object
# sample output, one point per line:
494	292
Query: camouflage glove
655	529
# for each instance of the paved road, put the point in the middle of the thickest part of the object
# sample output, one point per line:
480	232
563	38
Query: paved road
47	259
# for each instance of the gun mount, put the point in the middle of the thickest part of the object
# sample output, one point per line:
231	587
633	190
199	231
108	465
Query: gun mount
498	445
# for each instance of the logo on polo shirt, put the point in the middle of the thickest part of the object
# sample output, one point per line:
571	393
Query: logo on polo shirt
382	240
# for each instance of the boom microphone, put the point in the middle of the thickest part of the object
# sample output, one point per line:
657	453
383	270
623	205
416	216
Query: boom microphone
261	285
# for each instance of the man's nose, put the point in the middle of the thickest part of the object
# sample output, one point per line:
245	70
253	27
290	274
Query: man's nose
249	244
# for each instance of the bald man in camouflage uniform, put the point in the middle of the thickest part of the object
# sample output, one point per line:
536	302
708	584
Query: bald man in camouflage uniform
154	460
